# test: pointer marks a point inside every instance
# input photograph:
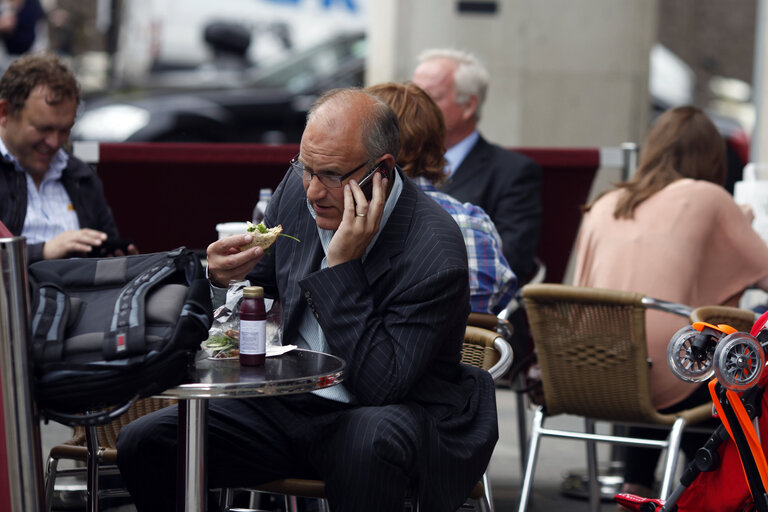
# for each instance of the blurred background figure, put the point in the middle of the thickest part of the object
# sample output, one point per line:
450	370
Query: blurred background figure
674	233
48	195
422	133
507	185
19	21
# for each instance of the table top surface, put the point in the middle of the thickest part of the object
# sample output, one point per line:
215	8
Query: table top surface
297	371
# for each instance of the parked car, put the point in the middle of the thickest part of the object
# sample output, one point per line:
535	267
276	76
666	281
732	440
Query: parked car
226	101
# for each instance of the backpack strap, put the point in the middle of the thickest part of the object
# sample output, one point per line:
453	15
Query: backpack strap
126	330
49	321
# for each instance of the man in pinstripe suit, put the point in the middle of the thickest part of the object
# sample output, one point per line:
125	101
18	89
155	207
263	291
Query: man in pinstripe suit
379	279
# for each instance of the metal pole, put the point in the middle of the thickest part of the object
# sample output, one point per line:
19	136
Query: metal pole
196	481
19	416
629	151
757	150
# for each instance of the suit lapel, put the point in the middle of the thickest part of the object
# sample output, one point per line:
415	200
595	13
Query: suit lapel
391	241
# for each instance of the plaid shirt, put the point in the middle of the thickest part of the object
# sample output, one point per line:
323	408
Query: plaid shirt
491	281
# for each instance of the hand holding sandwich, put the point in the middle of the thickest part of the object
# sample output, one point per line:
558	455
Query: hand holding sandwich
226	262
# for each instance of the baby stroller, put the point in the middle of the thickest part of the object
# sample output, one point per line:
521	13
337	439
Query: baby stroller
729	473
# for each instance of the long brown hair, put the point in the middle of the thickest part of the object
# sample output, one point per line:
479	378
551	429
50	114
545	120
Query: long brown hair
683	143
422	129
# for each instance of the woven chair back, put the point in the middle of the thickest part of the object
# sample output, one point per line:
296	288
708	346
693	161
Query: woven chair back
592	350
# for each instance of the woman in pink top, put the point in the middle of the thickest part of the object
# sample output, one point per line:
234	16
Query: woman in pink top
671	232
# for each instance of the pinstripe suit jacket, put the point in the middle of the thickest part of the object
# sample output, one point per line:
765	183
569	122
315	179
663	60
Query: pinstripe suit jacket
398	320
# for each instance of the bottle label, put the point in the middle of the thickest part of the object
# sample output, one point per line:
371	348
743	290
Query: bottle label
253	336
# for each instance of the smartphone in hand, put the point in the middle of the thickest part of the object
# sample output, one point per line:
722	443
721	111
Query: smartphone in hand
108	247
366	184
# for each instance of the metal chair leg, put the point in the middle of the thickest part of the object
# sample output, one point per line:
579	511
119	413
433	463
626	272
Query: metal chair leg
253	499
522	424
50	482
670	464
92	463
592	481
488	493
226	498
530	467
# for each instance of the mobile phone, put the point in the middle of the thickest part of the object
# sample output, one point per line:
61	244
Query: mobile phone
108	247
366	184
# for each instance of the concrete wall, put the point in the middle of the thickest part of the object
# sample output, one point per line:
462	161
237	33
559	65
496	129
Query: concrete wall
563	73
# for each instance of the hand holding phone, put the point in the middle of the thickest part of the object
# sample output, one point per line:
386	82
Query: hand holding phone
363	210
108	248
366	184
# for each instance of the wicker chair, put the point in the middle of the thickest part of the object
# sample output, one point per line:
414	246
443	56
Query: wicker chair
104	463
482	348
591	347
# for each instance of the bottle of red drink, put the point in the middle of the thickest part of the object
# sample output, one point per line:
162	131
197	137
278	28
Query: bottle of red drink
253	327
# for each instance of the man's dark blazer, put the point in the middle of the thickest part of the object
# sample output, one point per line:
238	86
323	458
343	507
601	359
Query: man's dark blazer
398	320
507	185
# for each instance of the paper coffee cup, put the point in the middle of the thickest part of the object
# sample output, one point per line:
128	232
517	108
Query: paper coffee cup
226	229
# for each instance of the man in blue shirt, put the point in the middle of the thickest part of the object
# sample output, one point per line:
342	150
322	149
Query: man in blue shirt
507	185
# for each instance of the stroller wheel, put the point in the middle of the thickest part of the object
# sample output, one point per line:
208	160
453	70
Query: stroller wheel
739	361
688	363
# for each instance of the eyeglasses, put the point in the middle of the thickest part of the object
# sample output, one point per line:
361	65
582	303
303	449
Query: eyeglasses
329	180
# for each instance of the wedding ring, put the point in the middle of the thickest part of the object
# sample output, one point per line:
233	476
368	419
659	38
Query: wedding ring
361	215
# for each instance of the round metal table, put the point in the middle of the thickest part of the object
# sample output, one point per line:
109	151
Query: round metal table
297	371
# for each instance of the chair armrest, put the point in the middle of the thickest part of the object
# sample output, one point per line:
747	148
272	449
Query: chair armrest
666	306
506	357
484	320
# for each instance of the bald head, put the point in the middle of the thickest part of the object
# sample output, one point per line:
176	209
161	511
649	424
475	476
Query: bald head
362	117
458	83
348	133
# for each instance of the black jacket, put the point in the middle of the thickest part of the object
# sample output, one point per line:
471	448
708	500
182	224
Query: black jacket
507	185
84	190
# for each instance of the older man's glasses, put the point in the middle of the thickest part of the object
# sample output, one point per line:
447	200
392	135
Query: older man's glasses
329	180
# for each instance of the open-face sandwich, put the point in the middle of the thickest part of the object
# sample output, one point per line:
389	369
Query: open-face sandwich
263	236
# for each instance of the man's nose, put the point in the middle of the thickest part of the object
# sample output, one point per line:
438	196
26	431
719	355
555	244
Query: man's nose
315	189
56	140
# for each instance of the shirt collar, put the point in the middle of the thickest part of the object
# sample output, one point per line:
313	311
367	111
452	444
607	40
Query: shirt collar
389	207
459	151
55	169
424	184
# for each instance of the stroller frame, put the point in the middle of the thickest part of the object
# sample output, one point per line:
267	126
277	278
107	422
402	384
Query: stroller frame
738	414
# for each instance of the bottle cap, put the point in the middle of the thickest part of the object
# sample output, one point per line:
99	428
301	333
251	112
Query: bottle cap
253	292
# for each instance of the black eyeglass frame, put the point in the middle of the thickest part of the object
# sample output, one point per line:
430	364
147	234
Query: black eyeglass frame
336	179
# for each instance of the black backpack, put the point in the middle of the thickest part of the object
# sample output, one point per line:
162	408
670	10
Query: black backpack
106	331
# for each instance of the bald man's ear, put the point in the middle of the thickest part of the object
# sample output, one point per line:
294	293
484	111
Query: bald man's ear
469	109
